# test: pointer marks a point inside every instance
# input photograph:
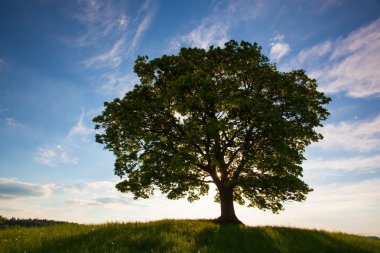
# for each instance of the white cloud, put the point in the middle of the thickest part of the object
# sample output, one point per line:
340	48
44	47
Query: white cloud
141	29
12	122
52	156
111	58
80	128
315	52
101	201
352	66
11	189
109	31
112	36
358	136
209	32
358	164
214	29
278	48
101	20
123	22
117	83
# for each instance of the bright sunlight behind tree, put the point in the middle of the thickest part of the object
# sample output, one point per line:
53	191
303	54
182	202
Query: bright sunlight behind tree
225	116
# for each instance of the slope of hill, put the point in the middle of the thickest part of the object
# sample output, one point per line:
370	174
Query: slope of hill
178	236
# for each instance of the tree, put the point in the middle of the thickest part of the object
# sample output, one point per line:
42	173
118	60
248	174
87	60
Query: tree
225	116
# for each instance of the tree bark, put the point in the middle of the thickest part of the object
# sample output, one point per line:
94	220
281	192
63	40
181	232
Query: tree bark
227	209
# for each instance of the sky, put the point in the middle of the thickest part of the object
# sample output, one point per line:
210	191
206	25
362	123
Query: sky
61	60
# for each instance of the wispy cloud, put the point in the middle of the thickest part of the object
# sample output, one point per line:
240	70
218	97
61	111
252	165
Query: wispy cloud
146	11
111	34
12	122
211	31
52	156
101	201
316	52
353	164
349	65
140	30
123	22
88	188
361	136
111	58
96	193
100	19
109	31
214	29
117	83
80	128
13	189
278	48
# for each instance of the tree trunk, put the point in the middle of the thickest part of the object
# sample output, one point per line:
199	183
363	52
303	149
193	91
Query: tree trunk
227	209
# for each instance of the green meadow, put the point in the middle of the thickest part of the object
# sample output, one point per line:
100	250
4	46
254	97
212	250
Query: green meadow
179	236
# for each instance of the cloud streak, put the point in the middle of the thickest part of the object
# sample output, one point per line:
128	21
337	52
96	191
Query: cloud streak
12	122
110	59
107	25
81	129
53	156
118	83
101	201
111	36
353	164
13	189
211	31
352	136
350	64
142	27
214	29
100	20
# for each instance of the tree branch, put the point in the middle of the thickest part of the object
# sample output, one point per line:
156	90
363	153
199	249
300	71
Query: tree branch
183	133
243	160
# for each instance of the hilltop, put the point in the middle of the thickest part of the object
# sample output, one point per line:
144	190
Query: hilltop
179	236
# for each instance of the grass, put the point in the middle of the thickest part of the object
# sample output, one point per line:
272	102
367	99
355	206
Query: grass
179	236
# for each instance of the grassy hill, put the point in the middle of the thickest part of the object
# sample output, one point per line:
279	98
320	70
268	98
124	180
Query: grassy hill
178	236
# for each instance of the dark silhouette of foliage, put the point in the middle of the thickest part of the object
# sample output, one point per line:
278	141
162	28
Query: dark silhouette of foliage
12	222
225	116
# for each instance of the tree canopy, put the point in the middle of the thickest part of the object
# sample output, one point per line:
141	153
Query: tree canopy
224	116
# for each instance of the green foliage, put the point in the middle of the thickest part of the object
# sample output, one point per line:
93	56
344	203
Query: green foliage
225	116
179	236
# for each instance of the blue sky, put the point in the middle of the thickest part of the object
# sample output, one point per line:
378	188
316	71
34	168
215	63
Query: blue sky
60	60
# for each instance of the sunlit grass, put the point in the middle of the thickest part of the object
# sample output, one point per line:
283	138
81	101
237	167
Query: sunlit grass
178	236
